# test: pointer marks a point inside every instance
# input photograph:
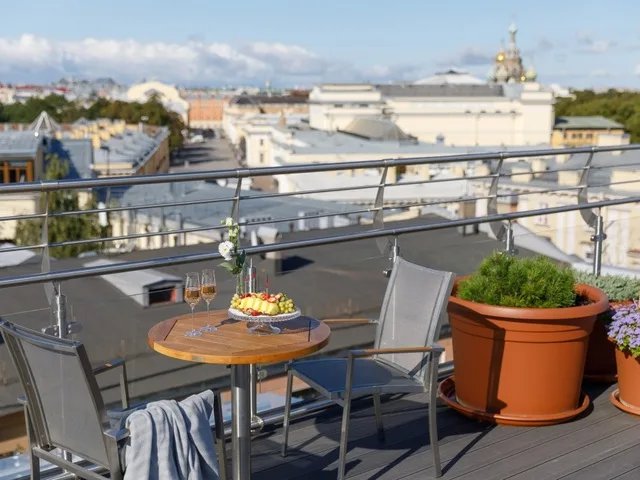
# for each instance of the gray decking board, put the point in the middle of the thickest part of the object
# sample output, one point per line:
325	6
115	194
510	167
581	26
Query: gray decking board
605	444
624	463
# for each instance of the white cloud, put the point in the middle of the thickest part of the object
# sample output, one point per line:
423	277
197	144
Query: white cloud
588	44
470	56
33	58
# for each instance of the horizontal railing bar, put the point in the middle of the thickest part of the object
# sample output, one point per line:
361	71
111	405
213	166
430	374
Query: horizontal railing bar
321	215
52	185
283	246
145	206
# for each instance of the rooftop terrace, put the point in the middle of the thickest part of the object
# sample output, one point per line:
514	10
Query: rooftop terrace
331	273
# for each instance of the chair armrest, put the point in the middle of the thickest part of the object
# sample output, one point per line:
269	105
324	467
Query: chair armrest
124	384
347	321
106	366
117	434
368	352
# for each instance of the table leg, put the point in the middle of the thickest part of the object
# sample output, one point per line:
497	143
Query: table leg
241	422
256	422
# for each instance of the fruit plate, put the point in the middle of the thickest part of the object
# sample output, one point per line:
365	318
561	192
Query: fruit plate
283	317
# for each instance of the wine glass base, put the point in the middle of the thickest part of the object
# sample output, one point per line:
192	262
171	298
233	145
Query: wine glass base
209	329
193	333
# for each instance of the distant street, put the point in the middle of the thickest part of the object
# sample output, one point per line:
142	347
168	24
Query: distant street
213	154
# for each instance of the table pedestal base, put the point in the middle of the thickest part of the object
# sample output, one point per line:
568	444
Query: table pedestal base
241	422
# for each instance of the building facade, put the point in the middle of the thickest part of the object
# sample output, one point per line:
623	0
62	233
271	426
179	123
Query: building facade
588	130
168	95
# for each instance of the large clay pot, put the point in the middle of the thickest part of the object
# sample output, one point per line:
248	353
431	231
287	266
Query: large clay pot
521	366
627	397
600	365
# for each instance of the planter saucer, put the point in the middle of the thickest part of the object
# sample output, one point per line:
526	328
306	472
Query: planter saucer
447	393
622	405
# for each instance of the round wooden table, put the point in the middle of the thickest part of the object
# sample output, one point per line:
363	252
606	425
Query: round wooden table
232	344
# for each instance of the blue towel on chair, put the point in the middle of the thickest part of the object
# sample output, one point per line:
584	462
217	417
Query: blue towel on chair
172	441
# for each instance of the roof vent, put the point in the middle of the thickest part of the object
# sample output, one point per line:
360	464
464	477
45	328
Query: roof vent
146	287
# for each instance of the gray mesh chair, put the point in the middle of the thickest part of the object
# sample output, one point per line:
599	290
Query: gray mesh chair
64	408
404	359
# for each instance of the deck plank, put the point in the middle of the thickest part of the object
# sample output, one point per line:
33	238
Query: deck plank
605	443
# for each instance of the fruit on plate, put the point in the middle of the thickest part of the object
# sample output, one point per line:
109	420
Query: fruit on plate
263	303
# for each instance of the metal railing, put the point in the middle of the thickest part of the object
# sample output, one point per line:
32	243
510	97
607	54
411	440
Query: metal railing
376	207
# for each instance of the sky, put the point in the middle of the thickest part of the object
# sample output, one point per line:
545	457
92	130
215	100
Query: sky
579	44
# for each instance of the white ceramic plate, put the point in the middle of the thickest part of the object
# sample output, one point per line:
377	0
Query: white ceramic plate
283	317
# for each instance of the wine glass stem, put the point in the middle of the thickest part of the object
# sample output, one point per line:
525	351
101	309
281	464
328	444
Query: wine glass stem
192	316
207	310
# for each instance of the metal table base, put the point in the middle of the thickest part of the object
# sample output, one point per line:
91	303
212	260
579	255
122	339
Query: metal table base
241	422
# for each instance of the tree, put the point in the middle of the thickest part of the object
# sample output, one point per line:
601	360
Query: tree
619	105
63	110
76	227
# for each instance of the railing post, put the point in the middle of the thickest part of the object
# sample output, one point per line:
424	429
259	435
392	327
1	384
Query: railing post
498	228
595	221
393	256
598	240
378	204
510	245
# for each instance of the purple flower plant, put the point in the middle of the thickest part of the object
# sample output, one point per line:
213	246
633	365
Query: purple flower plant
624	329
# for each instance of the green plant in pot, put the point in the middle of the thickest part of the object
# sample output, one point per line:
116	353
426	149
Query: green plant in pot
621	290
520	328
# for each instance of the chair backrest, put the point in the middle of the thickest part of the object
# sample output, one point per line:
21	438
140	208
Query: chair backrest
412	313
64	402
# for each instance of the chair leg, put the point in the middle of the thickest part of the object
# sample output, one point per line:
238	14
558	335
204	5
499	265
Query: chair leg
287	410
34	462
220	439
433	417
378	412
344	437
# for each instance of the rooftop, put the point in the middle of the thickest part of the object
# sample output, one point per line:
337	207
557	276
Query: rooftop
585	122
442	90
19	144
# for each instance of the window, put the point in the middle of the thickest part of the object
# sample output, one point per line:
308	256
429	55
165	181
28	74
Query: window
542	219
338	105
16	172
262	158
261	141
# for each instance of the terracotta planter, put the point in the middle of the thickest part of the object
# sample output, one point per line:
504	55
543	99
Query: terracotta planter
521	366
600	365
627	397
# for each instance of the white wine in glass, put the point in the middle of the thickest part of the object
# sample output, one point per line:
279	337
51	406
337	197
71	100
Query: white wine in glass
208	292
192	297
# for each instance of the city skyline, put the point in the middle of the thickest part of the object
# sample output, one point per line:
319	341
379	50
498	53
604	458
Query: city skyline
196	43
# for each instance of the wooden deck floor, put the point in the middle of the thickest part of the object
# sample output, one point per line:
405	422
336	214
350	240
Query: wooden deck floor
602	444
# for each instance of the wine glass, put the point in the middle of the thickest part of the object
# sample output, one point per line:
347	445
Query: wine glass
208	293
192	297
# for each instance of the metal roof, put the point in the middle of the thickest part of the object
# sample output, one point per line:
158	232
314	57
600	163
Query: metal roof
585	122
79	154
376	129
442	90
136	284
19	144
210	214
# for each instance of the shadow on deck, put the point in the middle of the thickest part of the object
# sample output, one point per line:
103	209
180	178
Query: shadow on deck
602	444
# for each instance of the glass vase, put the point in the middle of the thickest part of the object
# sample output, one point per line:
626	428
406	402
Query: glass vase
240	283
